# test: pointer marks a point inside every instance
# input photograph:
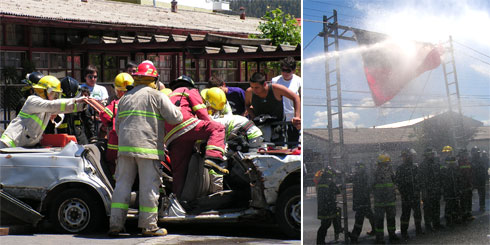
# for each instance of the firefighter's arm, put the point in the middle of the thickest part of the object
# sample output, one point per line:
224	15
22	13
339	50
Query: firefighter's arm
248	103
168	110
107	114
198	106
36	104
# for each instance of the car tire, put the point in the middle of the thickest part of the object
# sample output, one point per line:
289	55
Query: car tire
75	211
288	211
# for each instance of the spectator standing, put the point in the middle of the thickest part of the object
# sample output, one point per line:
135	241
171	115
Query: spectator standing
234	95
293	83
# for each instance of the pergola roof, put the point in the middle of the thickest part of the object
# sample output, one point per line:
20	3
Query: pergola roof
200	46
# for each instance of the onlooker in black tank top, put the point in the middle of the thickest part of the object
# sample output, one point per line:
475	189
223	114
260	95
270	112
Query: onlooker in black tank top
262	98
268	105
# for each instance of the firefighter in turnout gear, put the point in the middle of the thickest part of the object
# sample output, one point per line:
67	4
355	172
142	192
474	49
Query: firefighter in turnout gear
384	198
327	192
451	182
431	189
361	201
196	125
28	127
108	116
140	126
466	184
408	182
77	123
480	172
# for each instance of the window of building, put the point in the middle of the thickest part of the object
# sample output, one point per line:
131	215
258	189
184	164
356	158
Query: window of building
11	66
39	36
191	69
111	68
225	70
54	64
14	35
75	62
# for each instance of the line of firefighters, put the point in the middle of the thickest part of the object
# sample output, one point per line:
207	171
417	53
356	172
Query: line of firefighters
454	179
151	120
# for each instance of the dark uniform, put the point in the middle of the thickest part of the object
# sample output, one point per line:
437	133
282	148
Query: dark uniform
451	182
327	192
480	172
466	184
408	182
431	189
77	123
384	199
361	201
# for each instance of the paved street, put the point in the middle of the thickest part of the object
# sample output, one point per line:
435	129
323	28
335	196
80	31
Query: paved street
179	234
475	232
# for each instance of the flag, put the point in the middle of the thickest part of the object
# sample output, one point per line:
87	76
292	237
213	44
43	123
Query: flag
389	65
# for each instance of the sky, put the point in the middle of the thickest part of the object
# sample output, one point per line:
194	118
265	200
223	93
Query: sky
426	21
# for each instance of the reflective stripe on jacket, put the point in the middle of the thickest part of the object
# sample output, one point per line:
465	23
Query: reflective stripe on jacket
140	123
28	127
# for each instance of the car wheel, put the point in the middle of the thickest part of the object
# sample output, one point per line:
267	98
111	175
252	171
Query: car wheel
75	211
288	212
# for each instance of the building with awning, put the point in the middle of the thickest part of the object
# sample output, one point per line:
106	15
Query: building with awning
60	38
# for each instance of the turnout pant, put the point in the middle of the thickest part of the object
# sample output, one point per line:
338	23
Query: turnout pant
432	211
150	182
325	224
452	210
359	216
180	150
481	195
379	214
466	202
409	204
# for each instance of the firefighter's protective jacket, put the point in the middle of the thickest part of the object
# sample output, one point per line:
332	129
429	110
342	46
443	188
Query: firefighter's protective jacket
408	180
467	174
234	123
327	192
431	178
451	179
140	123
28	127
108	117
191	106
384	187
361	190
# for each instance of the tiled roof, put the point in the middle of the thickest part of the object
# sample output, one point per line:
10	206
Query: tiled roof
380	135
111	12
366	135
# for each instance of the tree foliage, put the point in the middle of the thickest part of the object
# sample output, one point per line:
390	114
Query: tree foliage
436	132
280	28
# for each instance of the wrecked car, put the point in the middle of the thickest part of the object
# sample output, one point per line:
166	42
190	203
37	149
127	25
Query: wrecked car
70	189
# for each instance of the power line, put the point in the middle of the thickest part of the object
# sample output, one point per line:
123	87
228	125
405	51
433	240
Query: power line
322	11
333	4
471	56
310	42
472	49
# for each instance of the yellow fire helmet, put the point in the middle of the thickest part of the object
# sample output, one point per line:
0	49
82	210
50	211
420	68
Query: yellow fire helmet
447	149
215	97
122	80
166	91
46	85
384	158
